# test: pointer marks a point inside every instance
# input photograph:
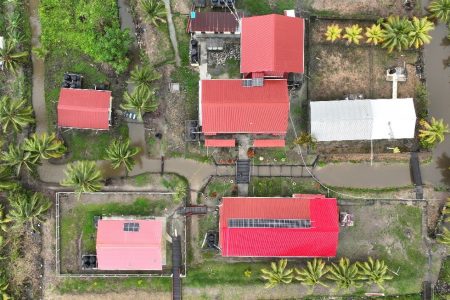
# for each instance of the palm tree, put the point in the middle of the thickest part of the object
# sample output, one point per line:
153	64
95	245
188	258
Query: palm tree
142	100
333	32
344	274
374	34
143	76
10	58
15	113
396	33
44	146
16	158
154	11
83	176
374	271
120	153
4	220
440	9
432	133
277	274
26	210
353	34
419	33
313	273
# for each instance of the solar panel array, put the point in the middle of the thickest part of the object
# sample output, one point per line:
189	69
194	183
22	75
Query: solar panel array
269	223
131	227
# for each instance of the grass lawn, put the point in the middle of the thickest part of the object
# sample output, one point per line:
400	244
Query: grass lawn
78	223
104	285
233	68
264	7
188	79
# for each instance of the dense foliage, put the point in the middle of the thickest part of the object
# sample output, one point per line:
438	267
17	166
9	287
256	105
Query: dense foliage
90	26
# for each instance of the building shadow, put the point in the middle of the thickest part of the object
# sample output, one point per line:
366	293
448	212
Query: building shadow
443	164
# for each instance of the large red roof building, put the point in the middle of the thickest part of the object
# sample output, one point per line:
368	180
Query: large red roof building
129	244
301	226
84	109
272	44
227	107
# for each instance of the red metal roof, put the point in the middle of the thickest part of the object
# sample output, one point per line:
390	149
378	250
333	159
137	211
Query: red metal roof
228	107
269	143
126	250
272	44
213	22
84	109
220	143
320	240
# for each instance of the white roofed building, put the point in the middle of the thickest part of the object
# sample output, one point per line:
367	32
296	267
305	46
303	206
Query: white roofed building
351	120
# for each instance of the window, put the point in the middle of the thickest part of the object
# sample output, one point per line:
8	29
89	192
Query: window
131	227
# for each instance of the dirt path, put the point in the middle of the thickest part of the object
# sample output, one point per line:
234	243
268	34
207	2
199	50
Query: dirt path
38	95
172	33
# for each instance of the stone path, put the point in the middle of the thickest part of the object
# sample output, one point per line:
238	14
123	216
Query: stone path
172	33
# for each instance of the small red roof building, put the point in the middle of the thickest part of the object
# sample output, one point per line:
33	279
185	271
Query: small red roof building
272	44
301	226
227	107
129	244
84	109
213	22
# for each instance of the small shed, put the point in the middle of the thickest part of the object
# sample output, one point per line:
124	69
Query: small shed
351	120
213	23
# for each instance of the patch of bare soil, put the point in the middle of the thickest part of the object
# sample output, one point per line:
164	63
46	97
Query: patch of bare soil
436	202
181	6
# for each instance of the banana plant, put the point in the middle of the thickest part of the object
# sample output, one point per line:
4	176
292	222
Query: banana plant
313	273
344	274
374	271
277	274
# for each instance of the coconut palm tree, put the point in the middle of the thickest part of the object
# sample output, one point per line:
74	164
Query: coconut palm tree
419	33
27	211
143	76
154	11
440	9
10	58
333	32
277	274
83	176
4	220
396	33
374	34
432	133
120	153
142	100
16	158
374	271
353	34
44	146
344	274
313	273
15	114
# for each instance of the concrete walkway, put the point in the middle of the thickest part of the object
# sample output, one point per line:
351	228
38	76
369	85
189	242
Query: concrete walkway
172	33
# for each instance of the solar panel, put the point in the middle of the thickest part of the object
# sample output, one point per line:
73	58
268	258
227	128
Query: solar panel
269	223
134	227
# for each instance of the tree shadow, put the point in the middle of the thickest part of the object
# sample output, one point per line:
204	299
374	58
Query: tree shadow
443	163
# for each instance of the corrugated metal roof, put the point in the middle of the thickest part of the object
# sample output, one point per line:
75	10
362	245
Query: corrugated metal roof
363	119
320	240
228	107
124	250
213	22
226	143
269	143
272	43
84	109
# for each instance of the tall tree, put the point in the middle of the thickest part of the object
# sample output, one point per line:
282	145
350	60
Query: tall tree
419	34
374	34
44	146
440	9
16	158
10	58
15	114
143	76
353	34
277	274
344	274
154	11
313	273
27	211
121	153
375	271
432	133
141	100
83	176
333	32
396	33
